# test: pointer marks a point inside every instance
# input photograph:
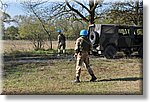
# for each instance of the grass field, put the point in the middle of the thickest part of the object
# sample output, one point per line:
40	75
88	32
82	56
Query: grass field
22	45
55	76
119	76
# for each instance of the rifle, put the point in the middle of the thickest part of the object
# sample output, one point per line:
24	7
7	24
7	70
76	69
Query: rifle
73	58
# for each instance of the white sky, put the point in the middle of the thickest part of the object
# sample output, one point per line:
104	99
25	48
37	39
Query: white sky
53	0
15	8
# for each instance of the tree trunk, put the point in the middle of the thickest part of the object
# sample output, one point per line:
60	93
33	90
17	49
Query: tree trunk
50	41
92	17
137	12
92	11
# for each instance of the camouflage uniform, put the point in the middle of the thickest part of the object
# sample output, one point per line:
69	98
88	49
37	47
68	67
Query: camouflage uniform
82	48
61	43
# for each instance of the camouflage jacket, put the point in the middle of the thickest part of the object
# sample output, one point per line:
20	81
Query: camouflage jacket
83	44
61	39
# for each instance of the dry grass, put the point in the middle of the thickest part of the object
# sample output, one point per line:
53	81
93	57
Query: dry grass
119	76
23	45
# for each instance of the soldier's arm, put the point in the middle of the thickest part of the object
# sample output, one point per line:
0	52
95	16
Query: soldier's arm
91	48
58	38
90	45
64	38
77	44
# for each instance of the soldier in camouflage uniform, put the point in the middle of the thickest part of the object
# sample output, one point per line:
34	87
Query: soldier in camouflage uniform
61	42
82	48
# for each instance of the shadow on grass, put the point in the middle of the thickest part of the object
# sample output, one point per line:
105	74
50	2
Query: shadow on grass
116	79
122	79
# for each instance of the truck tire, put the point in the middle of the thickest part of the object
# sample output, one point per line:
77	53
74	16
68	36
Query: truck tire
110	52
128	52
94	38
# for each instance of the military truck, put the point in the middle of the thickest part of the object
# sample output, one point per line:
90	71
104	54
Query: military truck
108	39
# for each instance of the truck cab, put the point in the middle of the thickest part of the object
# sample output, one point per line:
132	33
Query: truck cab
108	39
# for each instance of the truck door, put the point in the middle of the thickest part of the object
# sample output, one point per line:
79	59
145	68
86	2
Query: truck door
108	35
124	40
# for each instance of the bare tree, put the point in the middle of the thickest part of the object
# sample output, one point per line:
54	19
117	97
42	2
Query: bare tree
3	6
5	17
87	11
37	10
77	10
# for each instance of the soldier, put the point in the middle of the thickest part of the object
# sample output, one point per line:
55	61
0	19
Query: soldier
82	48
61	42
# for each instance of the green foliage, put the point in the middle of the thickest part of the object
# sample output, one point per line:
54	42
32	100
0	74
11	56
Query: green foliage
33	30
11	33
71	28
129	12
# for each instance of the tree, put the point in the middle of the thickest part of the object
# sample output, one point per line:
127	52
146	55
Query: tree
36	9
130	12
31	29
11	33
86	10
87	13
75	27
4	17
70	27
52	14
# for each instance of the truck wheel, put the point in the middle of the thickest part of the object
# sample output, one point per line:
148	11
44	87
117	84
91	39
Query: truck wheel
94	38
140	52
128	52
110	52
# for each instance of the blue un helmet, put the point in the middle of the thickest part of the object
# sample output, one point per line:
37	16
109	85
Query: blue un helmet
83	33
59	31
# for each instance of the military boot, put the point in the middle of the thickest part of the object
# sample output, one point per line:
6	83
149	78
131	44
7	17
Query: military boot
93	78
77	80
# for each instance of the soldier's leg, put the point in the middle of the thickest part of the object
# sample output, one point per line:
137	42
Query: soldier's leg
78	68
87	65
59	50
64	51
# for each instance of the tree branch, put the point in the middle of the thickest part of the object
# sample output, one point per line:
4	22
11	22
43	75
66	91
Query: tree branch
76	11
82	5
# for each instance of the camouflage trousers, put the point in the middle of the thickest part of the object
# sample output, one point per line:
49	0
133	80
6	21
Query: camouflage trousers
61	47
83	58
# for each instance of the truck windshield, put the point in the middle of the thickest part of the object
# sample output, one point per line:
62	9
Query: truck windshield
108	29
